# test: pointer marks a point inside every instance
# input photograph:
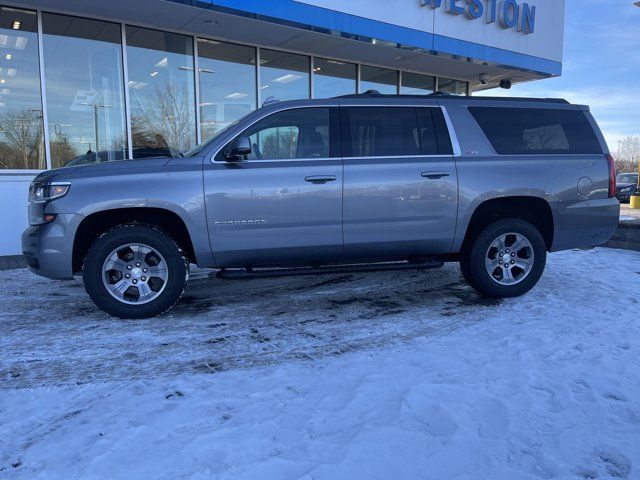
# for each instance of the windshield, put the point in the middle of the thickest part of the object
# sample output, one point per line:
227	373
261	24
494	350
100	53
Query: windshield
195	151
627	178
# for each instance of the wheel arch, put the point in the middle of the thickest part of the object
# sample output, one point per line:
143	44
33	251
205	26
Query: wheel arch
97	223
534	210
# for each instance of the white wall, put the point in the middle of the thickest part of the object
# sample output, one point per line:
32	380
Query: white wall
14	198
546	42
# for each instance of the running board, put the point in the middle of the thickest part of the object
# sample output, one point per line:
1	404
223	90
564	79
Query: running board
240	273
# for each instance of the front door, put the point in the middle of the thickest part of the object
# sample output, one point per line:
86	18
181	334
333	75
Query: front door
283	202
400	182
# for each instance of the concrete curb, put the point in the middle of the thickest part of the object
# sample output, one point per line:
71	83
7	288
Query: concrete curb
627	236
12	261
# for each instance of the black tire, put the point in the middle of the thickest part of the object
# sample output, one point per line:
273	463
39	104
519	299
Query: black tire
475	272
176	263
466	273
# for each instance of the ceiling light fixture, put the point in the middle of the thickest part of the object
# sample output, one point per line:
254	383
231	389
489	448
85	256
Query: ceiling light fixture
16	25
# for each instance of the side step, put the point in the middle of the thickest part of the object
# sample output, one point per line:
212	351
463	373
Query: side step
240	273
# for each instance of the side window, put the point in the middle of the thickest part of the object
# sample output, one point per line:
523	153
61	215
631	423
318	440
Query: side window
537	130
382	132
291	134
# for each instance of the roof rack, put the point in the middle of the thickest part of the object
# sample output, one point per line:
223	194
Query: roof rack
367	94
446	95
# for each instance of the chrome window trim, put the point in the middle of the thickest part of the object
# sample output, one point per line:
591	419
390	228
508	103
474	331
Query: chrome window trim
371	157
331	103
277	160
452	133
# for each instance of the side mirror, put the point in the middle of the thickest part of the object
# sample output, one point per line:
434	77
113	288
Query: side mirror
238	148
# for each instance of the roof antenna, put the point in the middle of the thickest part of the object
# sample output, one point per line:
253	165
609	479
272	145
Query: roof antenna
270	100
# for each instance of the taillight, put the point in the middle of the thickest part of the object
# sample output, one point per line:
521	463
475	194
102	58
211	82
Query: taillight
612	176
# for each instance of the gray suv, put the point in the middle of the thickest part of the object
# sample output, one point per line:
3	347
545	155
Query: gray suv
361	182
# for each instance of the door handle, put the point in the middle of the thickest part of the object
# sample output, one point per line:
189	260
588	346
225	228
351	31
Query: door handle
435	175
319	179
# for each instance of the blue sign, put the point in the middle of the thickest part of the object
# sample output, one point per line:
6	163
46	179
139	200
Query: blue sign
507	13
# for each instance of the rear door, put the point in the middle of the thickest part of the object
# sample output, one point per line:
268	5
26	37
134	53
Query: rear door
400	181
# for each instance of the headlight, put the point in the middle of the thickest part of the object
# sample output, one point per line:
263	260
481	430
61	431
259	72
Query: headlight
44	192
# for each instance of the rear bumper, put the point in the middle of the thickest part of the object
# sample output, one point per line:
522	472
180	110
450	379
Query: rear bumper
585	224
48	249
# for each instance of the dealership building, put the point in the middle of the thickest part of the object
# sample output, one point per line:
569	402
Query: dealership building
91	80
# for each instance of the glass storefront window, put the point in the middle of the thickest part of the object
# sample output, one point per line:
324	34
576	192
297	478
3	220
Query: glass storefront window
21	132
283	76
227	84
332	78
416	84
454	87
161	92
85	95
383	80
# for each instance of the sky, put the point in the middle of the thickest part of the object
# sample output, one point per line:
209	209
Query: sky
601	66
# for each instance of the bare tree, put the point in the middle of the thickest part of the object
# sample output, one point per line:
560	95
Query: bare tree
169	113
22	131
628	154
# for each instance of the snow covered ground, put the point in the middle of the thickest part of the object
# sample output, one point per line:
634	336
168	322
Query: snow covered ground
365	376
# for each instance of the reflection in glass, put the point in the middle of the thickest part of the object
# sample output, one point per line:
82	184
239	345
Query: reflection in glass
284	76
332	78
161	92
21	140
227	84
383	80
297	133
85	100
416	84
454	87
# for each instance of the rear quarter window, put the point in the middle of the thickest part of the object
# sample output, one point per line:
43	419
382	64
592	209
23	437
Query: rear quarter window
531	131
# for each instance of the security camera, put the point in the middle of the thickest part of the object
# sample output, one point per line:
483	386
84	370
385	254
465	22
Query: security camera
506	84
484	78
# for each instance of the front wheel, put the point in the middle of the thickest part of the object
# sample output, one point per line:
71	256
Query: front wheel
135	271
506	259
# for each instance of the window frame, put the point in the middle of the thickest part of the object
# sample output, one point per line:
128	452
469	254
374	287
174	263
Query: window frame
335	152
192	83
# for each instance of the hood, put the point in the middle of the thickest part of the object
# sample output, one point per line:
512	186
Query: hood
100	169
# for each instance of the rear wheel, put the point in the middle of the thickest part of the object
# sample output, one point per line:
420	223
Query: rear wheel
506	259
135	271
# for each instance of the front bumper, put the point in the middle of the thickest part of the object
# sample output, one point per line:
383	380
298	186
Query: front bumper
48	249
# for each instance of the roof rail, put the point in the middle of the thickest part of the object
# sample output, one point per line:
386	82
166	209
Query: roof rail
449	96
367	94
